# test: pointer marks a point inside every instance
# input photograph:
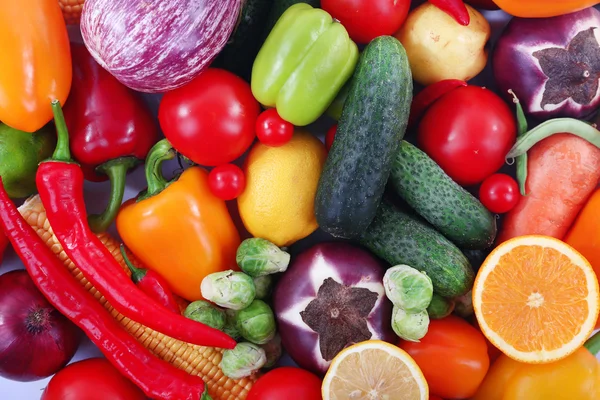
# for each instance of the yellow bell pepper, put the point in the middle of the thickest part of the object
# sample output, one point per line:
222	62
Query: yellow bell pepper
576	377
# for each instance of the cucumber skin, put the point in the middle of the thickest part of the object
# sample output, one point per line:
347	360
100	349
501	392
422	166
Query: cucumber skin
399	238
372	125
453	211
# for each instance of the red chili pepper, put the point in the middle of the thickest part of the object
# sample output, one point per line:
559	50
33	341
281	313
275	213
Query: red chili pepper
426	97
454	8
3	244
60	185
111	129
157	378
152	284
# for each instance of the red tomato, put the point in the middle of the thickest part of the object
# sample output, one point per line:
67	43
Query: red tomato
91	379
367	19
227	181
453	357
211	120
499	193
286	383
468	132
483	4
330	136
272	130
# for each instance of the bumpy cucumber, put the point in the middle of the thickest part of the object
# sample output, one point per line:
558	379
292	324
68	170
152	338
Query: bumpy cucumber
372	125
400	238
453	211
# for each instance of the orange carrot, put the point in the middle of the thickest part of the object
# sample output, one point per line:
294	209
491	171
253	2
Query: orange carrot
563	170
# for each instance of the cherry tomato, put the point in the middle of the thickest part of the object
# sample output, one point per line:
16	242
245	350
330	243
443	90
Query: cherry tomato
367	19
468	133
463	351
483	4
272	130
330	136
227	181
286	383
91	379
499	193
212	119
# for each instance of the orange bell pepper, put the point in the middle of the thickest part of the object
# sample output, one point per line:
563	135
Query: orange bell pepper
584	235
542	8
35	67
179	229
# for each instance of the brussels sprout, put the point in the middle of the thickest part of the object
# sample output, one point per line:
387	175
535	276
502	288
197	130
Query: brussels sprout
230	328
243	360
273	351
256	323
228	289
440	307
464	305
408	288
410	326
205	312
263	285
258	257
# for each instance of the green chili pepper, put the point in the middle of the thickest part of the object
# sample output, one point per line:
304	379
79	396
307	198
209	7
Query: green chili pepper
522	129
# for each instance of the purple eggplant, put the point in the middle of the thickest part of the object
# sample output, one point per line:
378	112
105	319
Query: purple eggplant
552	64
158	45
331	296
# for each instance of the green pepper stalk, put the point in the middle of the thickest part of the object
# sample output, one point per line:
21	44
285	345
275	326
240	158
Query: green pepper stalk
228	289
256	323
408	288
243	360
204	312
410	326
259	257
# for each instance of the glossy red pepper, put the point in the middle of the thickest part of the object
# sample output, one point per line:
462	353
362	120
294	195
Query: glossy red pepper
60	185
429	95
454	8
111	129
152	284
157	378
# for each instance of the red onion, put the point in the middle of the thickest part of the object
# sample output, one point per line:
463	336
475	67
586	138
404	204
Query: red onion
35	339
552	64
331	296
158	45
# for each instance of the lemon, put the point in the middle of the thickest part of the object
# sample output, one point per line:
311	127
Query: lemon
278	203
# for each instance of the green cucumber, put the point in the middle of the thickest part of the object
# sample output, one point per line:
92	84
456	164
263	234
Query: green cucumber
279	8
453	211
400	238
440	307
240	51
372	125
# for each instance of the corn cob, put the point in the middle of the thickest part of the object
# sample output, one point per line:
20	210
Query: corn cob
196	360
71	10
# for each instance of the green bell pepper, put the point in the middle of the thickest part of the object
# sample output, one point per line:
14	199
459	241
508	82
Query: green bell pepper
305	61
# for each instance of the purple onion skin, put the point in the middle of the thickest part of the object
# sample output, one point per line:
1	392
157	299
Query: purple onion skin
353	265
36	341
157	45
516	68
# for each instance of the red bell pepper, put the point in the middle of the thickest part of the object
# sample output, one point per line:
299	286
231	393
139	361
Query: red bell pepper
111	129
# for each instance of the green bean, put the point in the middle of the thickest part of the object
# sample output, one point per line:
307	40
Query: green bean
551	127
522	129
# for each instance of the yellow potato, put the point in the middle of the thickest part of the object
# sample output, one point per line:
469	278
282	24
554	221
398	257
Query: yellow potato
440	48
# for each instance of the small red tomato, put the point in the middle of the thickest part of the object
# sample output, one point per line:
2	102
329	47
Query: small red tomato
367	19
286	383
330	136
272	130
499	193
226	181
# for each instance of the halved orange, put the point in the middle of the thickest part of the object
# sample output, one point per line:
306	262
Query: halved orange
536	299
374	370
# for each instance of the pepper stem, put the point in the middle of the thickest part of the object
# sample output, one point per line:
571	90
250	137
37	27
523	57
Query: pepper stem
160	152
62	152
593	344
116	171
137	274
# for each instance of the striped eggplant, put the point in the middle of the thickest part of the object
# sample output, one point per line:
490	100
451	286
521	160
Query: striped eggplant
158	45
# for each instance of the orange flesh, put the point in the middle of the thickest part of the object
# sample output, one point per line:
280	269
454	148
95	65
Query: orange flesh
563	171
528	302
